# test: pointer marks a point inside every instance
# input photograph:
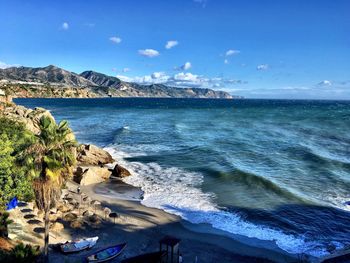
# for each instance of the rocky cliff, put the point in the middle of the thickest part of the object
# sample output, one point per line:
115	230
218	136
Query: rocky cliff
54	82
91	160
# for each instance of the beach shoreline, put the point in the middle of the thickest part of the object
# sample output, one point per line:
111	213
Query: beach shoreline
169	224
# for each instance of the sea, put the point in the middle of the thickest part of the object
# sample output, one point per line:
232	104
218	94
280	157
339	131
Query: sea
268	169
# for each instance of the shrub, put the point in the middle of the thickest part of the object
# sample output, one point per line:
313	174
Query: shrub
4	222
21	254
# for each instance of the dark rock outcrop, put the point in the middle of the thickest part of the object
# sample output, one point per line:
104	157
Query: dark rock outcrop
119	171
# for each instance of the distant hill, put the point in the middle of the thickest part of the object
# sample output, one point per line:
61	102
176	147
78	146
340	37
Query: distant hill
52	81
49	74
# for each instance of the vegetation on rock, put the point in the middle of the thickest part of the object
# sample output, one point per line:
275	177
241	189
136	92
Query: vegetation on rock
14	179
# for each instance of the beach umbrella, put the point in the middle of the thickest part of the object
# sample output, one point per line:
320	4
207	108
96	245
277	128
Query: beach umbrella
87	200
113	215
82	195
95	203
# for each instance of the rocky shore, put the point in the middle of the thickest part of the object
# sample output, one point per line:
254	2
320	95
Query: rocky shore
89	213
94	165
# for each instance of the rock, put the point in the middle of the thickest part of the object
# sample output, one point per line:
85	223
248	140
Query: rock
93	175
76	224
64	208
88	154
88	213
70	217
120	171
95	219
57	227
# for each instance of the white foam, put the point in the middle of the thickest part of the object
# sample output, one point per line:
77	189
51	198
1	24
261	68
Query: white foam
178	192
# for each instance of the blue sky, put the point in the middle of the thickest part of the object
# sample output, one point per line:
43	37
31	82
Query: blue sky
254	48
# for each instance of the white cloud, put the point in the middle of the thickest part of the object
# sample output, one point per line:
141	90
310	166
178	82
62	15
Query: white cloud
65	26
171	43
149	53
125	78
4	65
154	78
232	52
115	40
160	77
262	67
126	70
325	83
226	61
183	79
185	66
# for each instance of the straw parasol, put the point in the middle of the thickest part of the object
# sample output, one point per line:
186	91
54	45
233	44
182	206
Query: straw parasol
113	215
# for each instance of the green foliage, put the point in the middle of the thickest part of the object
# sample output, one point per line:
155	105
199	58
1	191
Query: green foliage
53	156
14	139
21	254
4	222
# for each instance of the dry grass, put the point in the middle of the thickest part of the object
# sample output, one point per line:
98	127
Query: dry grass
5	244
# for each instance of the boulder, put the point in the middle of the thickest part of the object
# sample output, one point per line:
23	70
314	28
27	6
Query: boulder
88	213
95	219
76	224
30	118
88	154
56	227
70	217
93	175
119	171
64	208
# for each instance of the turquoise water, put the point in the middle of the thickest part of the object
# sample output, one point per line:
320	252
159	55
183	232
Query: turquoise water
274	170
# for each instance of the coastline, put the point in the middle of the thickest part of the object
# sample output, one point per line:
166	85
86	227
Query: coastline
156	223
192	235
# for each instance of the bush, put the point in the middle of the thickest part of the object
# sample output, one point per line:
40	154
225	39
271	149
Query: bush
4	222
21	254
14	139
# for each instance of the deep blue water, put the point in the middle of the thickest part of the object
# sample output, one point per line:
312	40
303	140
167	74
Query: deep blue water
272	169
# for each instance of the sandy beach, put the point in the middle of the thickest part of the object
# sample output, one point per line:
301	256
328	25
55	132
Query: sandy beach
142	228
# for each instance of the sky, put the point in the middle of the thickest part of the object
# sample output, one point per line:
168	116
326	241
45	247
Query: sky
292	49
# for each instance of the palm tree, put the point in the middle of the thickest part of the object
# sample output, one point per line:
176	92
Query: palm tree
52	157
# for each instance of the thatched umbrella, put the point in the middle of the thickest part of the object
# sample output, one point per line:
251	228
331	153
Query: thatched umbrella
113	215
95	203
87	200
107	211
82	195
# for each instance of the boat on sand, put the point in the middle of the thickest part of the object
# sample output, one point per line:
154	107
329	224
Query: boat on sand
78	245
106	253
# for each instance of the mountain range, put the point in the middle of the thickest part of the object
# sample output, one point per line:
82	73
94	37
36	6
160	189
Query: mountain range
52	81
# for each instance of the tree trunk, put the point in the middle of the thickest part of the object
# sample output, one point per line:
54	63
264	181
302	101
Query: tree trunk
47	225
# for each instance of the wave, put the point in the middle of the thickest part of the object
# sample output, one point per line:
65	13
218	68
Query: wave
322	155
178	192
255	181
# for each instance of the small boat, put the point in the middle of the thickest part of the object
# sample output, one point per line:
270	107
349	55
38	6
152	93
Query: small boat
78	245
106	253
